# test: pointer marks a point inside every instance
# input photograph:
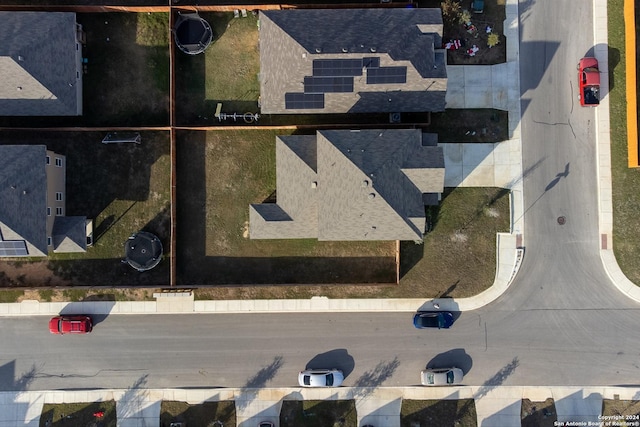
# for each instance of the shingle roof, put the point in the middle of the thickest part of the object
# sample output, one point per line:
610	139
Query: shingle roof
23	196
69	234
291	40
38	64
367	185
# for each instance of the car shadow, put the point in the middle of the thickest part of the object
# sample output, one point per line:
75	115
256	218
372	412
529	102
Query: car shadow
338	358
98	307
457	358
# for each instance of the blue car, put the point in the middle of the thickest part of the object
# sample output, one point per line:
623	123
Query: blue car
433	319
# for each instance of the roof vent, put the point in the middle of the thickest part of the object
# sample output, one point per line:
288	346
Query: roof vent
20	58
345	50
24	192
365	183
314	184
19	88
318	50
371	196
373	49
304	54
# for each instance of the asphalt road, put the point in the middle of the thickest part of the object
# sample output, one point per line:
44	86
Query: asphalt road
562	322
494	347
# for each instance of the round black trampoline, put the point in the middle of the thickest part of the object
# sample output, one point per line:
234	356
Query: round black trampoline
143	251
192	33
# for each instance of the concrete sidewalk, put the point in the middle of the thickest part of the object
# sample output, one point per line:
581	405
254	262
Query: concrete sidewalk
495	406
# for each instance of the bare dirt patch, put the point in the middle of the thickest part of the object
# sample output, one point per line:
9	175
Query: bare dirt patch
624	408
442	413
538	414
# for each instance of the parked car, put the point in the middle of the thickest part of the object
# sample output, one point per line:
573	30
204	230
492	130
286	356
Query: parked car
433	319
320	378
62	325
442	376
477	6
589	82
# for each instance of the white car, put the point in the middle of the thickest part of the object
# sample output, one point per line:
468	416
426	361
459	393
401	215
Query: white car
320	378
442	376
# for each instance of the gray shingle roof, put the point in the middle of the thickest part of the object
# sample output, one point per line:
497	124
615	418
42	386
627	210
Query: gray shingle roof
38	64
290	41
23	196
361	185
69	234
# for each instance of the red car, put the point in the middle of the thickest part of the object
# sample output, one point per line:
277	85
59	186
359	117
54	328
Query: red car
61	325
589	82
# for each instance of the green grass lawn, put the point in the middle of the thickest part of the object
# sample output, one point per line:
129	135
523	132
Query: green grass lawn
127	80
219	175
78	414
124	188
204	414
626	200
441	413
318	413
226	72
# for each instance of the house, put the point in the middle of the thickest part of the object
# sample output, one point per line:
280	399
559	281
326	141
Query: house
351	61
352	185
33	219
40	64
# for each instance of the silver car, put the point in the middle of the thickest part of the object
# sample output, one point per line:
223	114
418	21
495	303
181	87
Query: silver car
442	376
320	378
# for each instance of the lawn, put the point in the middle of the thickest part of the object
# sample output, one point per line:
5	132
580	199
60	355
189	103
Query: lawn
204	414
621	407
92	414
318	413
127	80
441	413
219	175
227	72
625	181
124	188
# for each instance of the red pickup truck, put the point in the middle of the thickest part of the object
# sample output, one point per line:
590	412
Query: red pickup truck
589	82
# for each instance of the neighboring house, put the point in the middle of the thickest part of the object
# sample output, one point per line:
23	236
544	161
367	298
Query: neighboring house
352	185
40	64
32	204
351	61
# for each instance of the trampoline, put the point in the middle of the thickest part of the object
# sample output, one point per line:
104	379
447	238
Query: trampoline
143	251
192	33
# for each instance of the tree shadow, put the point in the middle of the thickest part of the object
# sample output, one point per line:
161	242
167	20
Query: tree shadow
373	378
456	358
259	380
338	358
497	379
558	177
131	402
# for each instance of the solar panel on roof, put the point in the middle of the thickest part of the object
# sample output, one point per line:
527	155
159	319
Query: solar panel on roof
303	101
328	84
337	67
372	62
386	75
13	248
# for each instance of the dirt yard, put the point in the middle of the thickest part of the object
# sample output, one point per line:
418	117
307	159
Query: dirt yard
474	29
538	414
